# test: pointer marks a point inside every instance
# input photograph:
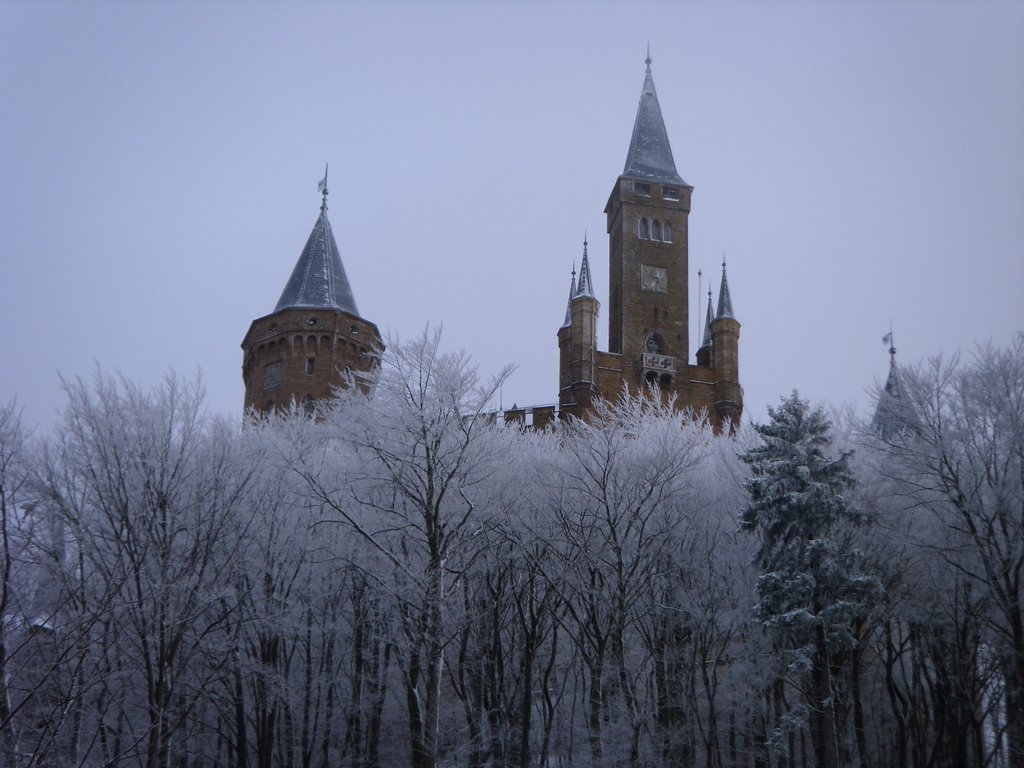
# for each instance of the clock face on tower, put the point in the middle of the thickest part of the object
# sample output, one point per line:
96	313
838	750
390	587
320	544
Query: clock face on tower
653	279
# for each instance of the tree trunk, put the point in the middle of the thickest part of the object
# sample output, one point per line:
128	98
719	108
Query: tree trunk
822	716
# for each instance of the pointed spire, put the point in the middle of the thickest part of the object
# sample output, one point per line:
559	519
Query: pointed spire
568	304
650	154
724	299
706	342
893	414
319	279
892	383
585	287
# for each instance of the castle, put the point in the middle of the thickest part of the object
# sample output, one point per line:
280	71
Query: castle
315	339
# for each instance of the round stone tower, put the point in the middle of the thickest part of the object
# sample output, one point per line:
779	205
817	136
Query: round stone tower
315	340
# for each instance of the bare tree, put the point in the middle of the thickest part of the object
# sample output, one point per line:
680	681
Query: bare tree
404	469
960	458
621	495
148	491
13	476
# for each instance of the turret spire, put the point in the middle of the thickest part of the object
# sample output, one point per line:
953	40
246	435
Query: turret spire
724	299
893	413
319	279
568	304
585	287
706	342
892	383
650	155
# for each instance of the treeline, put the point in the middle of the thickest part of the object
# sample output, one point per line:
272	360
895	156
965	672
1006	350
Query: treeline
403	582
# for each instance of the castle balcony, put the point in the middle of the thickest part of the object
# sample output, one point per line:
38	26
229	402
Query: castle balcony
657	364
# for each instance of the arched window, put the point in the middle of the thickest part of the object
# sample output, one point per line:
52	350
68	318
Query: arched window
641	228
666	233
655	230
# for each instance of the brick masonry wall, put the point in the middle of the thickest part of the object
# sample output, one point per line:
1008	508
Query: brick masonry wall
282	345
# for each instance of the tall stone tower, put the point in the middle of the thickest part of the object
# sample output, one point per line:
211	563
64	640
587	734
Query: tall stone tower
647	215
315	339
648	284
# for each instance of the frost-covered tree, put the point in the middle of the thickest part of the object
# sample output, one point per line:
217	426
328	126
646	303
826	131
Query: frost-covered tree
148	490
961	467
405	470
13	476
811	589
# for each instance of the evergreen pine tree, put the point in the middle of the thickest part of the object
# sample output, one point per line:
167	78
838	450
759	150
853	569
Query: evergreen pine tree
809	592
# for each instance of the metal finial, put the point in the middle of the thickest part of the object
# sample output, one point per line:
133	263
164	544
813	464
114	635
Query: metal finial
584	242
574	268
723	262
322	187
647	61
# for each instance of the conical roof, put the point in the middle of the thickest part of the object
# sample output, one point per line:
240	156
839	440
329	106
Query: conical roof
319	280
893	388
724	299
894	414
650	155
585	287
706	342
568	304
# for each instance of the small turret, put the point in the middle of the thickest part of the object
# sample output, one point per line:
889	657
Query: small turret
725	358
578	380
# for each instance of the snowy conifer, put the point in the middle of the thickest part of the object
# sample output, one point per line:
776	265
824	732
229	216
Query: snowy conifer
810	591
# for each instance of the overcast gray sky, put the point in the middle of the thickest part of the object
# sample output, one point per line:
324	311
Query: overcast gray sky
857	162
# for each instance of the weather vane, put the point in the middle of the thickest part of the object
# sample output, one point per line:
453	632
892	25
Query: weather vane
322	188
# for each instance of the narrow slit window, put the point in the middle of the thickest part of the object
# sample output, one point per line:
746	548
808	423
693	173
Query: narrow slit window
655	230
666	232
641	229
310	365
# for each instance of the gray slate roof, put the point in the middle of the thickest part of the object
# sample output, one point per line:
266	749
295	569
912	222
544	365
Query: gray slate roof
724	299
650	155
319	279
568	304
706	342
585	287
894	414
